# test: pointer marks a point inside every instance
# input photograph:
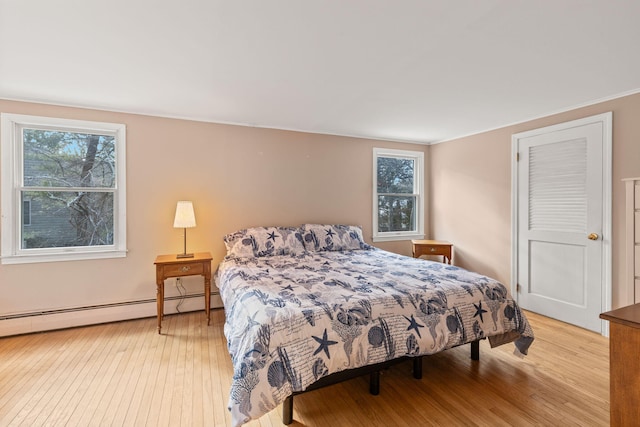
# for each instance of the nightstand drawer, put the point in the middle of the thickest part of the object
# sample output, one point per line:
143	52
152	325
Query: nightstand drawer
434	250
183	269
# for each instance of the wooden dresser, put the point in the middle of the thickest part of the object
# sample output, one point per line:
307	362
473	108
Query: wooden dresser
624	364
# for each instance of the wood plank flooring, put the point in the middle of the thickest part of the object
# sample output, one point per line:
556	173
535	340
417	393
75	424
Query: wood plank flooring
125	374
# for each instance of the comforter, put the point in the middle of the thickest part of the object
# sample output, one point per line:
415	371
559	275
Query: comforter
293	319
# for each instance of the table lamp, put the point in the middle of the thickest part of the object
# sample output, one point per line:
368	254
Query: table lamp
185	218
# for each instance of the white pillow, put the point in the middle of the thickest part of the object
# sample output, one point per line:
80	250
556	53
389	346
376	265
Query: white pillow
335	237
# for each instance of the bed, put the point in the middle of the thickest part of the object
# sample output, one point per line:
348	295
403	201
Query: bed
306	304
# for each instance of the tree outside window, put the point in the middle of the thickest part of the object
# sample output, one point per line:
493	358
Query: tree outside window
83	164
396	200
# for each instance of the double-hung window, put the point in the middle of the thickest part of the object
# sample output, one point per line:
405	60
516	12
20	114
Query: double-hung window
398	195
63	189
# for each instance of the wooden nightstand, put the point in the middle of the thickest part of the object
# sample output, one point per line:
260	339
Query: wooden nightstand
432	247
169	266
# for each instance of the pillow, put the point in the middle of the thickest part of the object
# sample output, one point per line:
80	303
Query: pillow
264	241
337	237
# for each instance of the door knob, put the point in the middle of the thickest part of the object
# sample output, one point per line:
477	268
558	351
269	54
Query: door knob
593	236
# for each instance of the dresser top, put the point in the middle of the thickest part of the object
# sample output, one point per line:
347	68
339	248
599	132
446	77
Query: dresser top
629	316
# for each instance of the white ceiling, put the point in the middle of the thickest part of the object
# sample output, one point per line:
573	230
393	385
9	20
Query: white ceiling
409	70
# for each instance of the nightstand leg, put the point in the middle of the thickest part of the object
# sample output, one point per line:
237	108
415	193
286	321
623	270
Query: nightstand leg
160	303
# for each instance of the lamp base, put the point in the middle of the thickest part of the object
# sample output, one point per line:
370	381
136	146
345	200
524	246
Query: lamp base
184	256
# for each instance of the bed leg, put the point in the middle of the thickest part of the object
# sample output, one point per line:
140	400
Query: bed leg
374	383
475	350
417	367
287	410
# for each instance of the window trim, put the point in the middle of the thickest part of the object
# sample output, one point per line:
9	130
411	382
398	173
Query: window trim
418	182
10	189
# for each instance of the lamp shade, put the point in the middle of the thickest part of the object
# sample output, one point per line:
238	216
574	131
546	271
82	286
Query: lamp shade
185	218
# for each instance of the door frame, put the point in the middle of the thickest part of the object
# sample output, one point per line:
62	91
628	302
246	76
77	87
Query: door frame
606	119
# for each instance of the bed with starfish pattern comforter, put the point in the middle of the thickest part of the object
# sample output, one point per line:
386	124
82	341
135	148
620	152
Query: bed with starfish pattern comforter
292	319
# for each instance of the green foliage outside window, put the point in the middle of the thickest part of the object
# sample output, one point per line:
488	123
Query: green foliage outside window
396	198
68	178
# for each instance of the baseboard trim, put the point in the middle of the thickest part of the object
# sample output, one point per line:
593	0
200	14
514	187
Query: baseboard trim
25	323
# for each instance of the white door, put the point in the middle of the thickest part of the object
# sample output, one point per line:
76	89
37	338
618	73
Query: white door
562	242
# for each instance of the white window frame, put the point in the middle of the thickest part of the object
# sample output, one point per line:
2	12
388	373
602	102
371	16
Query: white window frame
11	251
418	192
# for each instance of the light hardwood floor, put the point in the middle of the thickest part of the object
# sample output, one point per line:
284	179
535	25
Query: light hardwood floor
126	374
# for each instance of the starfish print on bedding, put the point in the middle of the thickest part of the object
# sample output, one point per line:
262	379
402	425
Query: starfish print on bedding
330	233
324	344
251	322
272	236
414	325
479	311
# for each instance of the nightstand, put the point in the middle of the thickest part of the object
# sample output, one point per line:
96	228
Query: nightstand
432	247
169	266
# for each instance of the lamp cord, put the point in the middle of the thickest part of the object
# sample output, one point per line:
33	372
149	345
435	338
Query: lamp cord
183	292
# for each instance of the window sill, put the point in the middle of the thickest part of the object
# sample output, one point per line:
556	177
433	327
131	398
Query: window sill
397	237
74	256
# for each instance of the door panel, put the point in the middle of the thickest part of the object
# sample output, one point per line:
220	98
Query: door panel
560	201
553	274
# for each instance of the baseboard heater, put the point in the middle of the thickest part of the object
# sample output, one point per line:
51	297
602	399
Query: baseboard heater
38	321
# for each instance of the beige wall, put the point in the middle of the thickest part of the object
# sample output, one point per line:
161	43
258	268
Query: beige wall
471	190
236	176
241	177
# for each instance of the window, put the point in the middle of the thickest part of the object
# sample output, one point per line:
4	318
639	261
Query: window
398	200
63	189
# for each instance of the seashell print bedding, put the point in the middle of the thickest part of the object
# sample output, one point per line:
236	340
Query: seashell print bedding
292	319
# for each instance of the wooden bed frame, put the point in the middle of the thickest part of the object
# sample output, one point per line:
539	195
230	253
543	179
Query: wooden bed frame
374	378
